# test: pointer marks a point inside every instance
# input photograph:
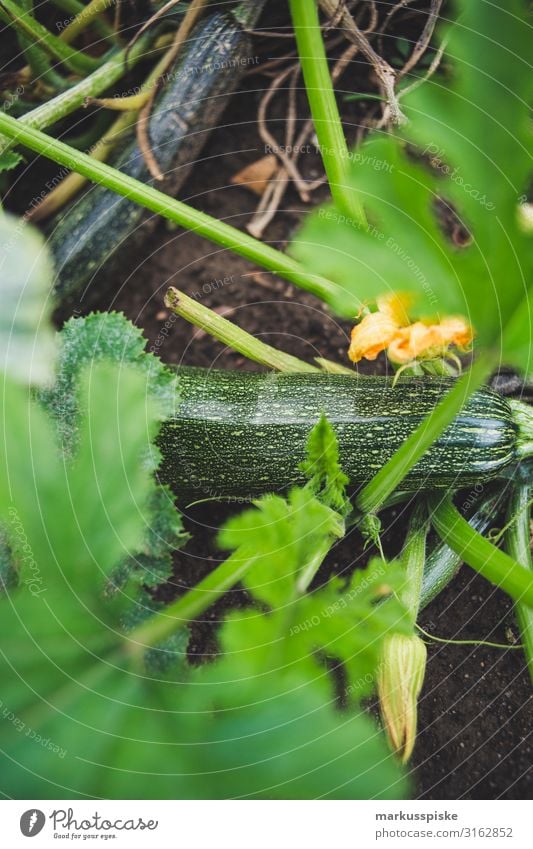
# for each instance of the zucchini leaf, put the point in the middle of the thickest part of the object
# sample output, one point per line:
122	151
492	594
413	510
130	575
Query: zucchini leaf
27	347
111	337
280	536
474	128
77	716
283	740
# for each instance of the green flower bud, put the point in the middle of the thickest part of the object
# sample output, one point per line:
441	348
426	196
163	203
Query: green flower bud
400	678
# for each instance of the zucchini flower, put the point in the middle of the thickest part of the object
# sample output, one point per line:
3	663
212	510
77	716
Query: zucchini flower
428	341
371	336
377	329
400	679
389	329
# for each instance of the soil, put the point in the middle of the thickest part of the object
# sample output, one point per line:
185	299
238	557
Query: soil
476	706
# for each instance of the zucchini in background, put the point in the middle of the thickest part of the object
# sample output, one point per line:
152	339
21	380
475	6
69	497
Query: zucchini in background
96	228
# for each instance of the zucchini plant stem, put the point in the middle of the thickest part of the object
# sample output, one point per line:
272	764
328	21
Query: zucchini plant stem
413	558
37	59
495	565
323	104
228	333
210	228
23	21
372	496
518	545
75	7
164	623
83	19
91	86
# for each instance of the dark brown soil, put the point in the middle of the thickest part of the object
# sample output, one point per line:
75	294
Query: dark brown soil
476	706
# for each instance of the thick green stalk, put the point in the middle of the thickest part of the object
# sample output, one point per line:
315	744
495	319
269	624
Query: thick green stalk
442	564
77	61
321	96
518	545
480	554
184	215
383	484
228	333
68	101
191	605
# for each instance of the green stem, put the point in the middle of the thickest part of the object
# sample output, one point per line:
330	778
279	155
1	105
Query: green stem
182	214
228	333
480	643
83	19
68	101
518	545
523	417
323	104
479	553
374	493
74	7
442	564
35	57
77	61
191	605
309	571
413	558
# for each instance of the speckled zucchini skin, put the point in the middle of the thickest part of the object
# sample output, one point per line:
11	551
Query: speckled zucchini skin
95	229
237	434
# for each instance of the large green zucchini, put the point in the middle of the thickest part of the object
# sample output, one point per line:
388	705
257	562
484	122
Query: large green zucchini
237	434
94	231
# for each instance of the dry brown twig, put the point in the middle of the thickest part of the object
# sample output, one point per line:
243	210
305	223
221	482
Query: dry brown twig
269	204
425	38
385	74
182	33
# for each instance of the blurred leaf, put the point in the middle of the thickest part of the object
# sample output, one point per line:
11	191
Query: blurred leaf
475	129
93	507
281	536
78	716
27	348
284	742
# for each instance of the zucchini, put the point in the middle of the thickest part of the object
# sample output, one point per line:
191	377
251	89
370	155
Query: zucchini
96	228
236	434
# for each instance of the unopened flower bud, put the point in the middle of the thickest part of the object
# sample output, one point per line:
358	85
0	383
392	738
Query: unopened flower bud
400	679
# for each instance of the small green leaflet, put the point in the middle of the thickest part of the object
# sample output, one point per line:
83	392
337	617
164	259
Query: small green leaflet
326	478
9	160
475	129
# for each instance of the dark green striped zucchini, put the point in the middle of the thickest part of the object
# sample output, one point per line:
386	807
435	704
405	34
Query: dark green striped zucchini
95	229
245	434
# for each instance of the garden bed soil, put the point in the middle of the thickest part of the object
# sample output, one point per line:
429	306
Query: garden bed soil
476	706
